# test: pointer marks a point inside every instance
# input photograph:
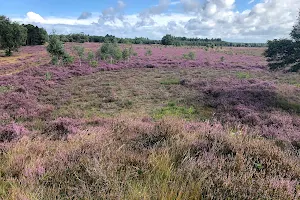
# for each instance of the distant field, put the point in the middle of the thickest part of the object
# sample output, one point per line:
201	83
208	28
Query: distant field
29	57
161	125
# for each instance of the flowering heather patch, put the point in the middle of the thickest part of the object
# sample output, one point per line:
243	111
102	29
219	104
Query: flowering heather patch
255	103
132	159
101	132
61	128
12	132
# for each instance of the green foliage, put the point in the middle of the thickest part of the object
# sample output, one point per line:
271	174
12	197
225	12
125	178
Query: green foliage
67	59
57	52
285	53
148	52
76	37
12	35
173	110
36	35
172	81
167	40
288	105
90	56
4	89
190	56
79	51
93	63
295	33
126	54
243	75
110	52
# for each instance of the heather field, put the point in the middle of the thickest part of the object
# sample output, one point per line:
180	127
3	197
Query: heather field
168	123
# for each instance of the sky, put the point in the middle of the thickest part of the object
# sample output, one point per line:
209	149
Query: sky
231	20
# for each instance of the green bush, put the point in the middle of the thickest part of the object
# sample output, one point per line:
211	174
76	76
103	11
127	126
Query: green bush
126	54
79	51
190	56
57	52
93	63
110	52
67	59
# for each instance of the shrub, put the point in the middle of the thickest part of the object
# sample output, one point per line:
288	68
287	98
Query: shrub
93	63
126	54
57	52
90	56
110	52
79	51
67	59
148	52
190	56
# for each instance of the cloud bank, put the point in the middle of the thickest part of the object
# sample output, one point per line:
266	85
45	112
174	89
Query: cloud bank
268	19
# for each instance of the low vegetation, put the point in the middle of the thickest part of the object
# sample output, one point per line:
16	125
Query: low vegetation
170	159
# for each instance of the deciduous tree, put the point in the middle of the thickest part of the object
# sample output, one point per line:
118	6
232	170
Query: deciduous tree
12	35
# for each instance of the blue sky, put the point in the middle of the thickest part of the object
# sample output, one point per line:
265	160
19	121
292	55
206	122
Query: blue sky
233	20
75	7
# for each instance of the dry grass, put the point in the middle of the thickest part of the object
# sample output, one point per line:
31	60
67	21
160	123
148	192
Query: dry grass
170	159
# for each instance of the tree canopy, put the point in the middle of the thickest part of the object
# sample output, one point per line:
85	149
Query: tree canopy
35	35
285	53
12	35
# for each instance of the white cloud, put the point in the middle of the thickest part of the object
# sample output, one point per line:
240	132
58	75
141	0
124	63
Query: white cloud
214	18
35	18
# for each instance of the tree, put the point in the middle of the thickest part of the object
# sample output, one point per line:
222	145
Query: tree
56	49
12	35
167	40
285	53
35	35
295	34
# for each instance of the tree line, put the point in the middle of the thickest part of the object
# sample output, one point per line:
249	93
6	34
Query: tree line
282	53
13	35
166	40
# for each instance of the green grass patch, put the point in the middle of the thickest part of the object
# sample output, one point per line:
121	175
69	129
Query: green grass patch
297	85
4	89
288	106
173	110
172	81
243	75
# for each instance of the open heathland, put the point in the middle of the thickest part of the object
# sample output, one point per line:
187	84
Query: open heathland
166	123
